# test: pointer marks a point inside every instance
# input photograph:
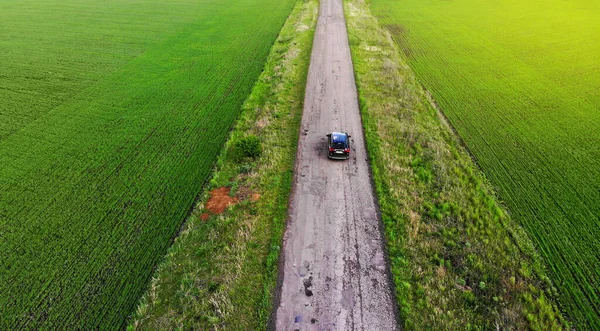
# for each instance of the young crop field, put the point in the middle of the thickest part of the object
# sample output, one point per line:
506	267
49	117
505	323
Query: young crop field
519	81
111	118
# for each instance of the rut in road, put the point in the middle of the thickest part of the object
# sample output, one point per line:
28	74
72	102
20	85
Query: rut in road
334	273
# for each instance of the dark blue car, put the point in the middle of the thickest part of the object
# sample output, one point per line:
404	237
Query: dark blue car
338	145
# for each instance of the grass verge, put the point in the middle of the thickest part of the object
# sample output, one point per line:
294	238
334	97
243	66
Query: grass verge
458	260
221	271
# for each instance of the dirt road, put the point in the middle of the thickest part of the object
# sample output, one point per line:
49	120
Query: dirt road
335	275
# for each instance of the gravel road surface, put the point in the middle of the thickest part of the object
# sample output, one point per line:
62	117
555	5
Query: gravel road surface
335	275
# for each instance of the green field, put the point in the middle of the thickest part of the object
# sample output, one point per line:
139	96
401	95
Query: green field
519	81
111	117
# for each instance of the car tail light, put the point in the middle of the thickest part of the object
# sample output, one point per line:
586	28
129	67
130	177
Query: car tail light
331	149
347	150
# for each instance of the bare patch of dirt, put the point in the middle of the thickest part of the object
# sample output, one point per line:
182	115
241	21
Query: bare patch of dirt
220	200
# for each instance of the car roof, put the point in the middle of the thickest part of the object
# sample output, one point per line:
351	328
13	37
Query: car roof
339	136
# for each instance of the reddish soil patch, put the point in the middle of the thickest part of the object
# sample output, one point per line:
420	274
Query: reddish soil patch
255	196
220	200
204	216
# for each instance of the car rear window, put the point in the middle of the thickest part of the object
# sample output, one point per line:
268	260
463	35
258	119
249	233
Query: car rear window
339	141
338	138
338	145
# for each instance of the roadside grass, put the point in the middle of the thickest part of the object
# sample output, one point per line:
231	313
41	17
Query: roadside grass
221	272
458	260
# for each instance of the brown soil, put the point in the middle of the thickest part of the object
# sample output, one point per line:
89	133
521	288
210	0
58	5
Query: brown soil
220	200
204	216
